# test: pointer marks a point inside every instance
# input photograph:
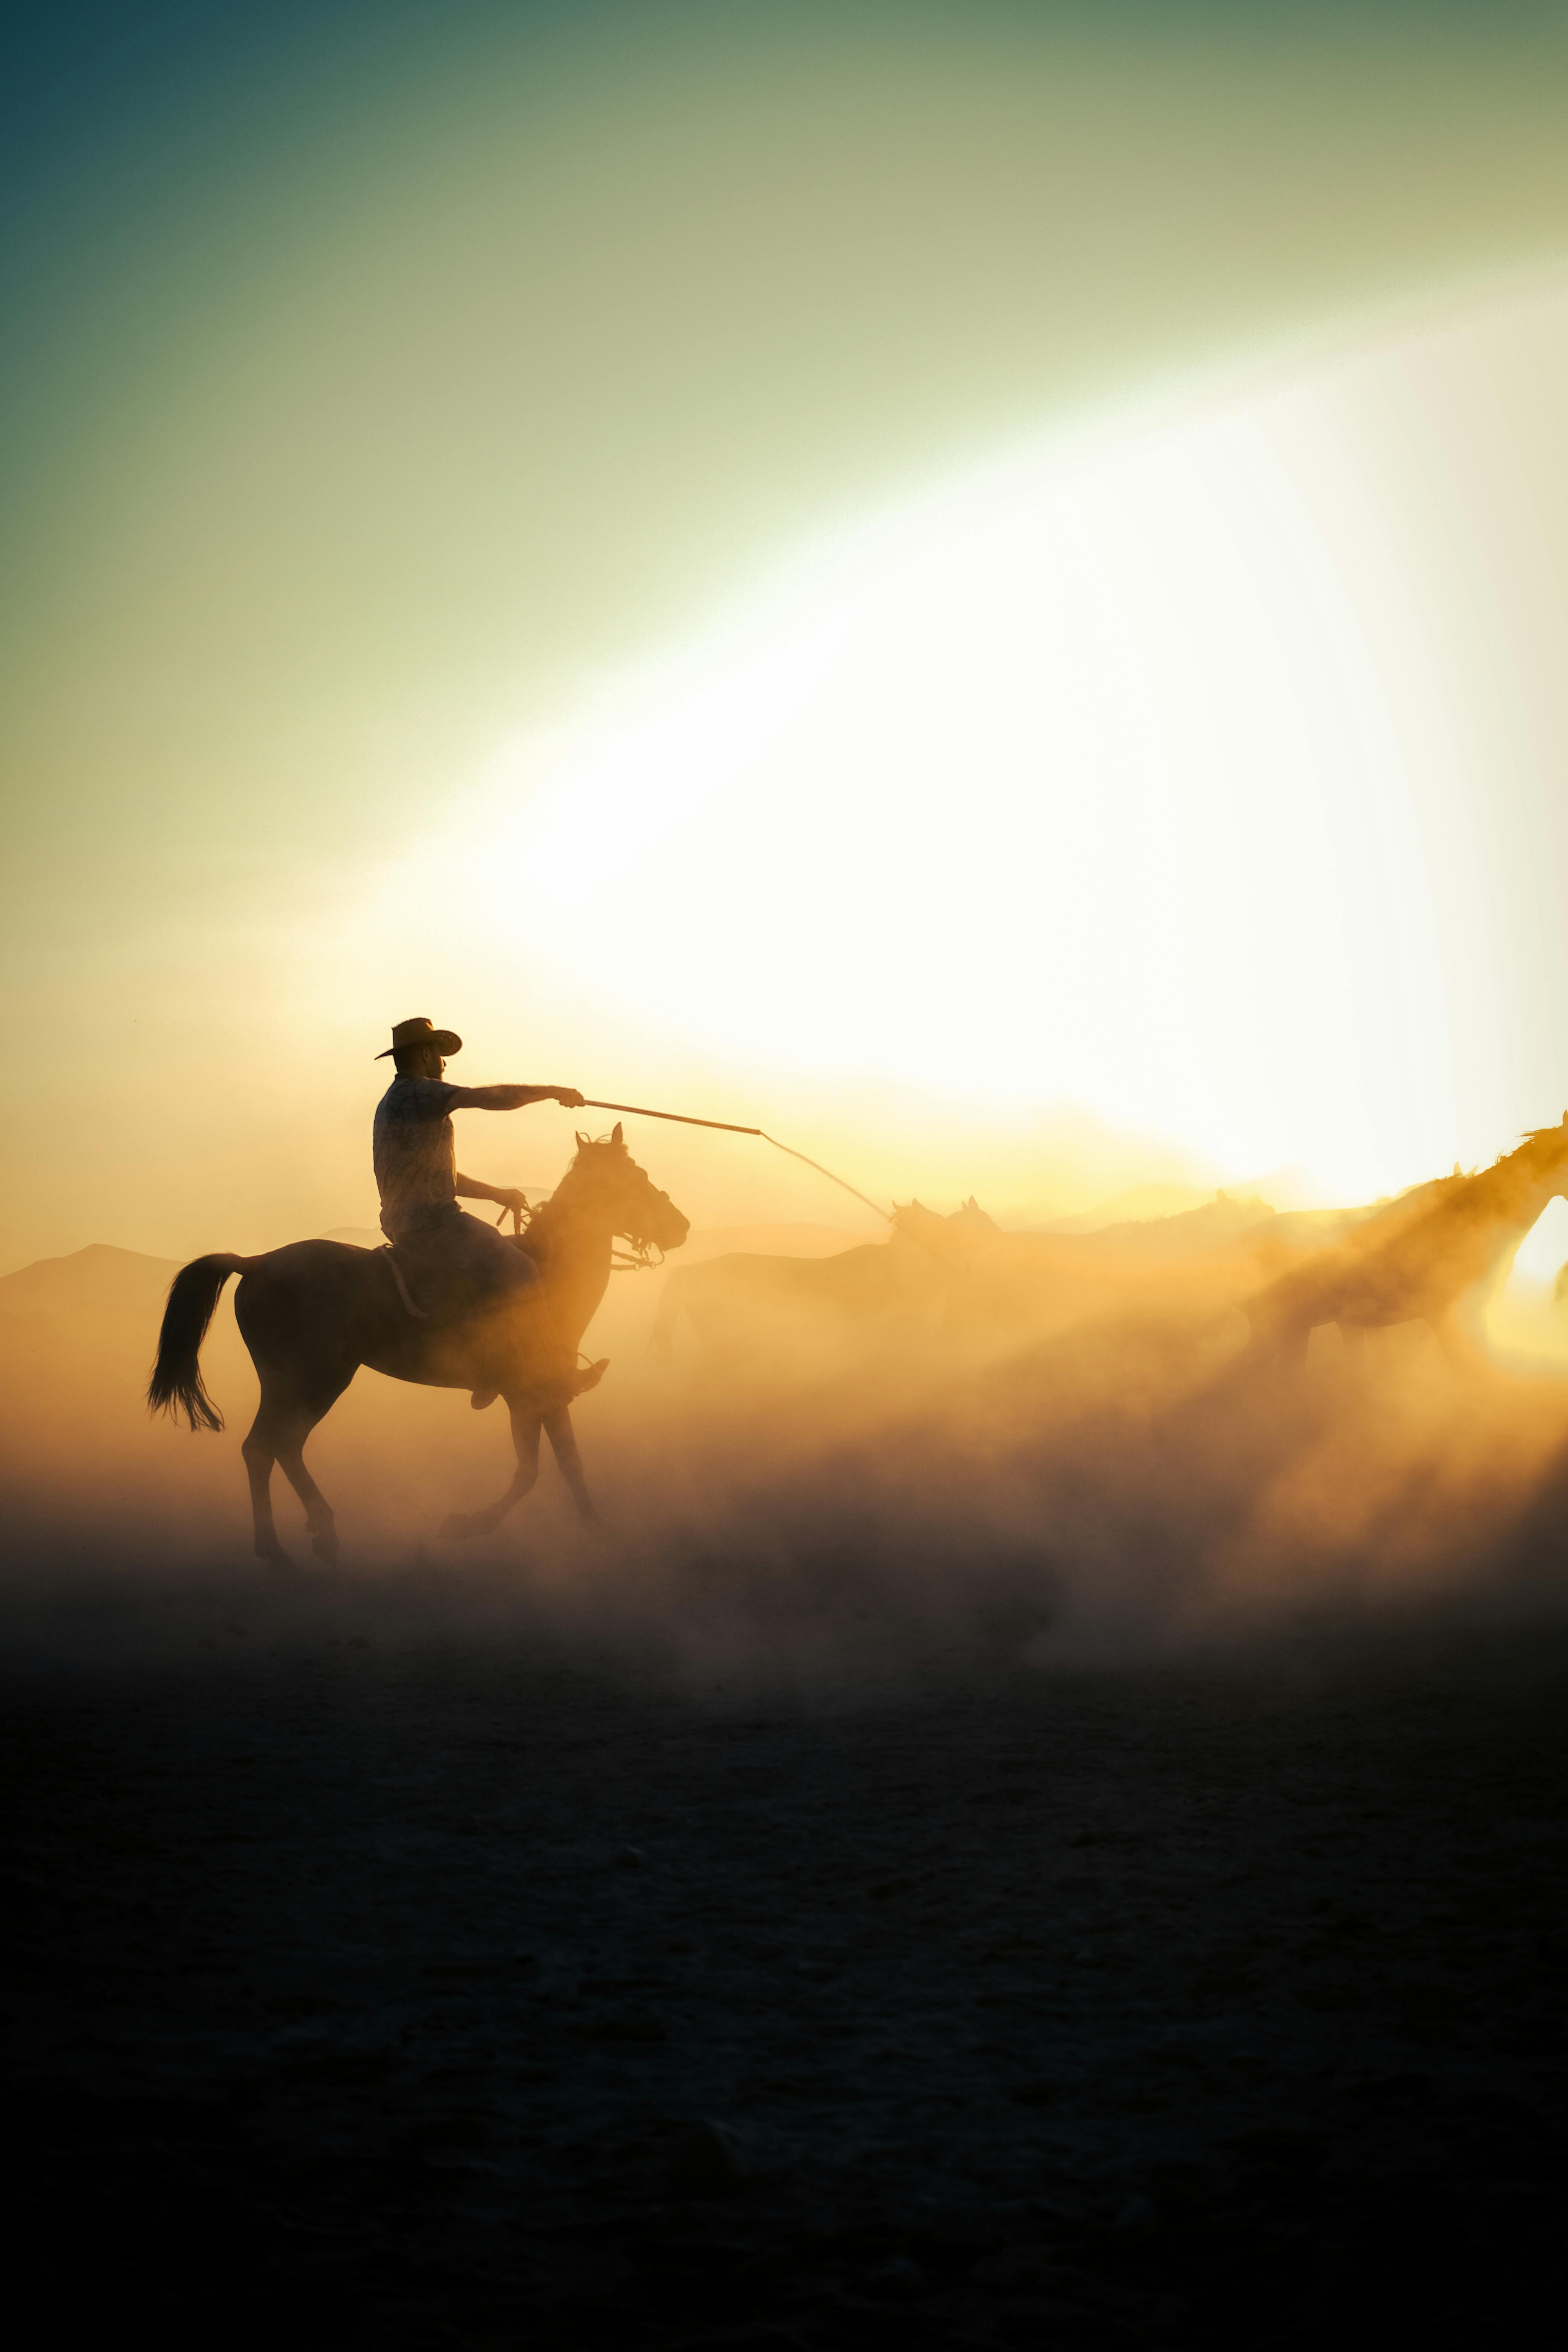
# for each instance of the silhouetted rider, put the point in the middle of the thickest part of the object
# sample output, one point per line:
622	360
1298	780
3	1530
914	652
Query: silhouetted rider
453	1262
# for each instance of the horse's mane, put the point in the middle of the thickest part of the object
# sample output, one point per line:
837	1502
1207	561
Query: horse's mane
585	1144
1542	1143
1536	1151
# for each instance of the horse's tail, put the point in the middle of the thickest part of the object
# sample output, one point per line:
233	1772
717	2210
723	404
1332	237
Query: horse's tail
662	1337
176	1381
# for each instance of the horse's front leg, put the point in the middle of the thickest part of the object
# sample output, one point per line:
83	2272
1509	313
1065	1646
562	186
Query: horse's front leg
526	1424
319	1517
563	1438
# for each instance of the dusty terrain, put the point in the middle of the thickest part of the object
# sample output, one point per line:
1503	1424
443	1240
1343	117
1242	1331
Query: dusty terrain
1074	1854
373	1981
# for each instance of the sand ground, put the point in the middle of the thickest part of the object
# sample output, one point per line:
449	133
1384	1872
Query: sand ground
388	1984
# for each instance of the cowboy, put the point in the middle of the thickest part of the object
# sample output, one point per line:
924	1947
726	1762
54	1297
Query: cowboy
454	1263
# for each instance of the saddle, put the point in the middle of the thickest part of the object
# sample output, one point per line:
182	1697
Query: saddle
465	1295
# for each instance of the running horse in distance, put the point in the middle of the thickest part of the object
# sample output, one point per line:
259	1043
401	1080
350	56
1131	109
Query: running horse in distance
1433	1255
313	1312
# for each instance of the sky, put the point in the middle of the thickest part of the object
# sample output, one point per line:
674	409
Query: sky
980	587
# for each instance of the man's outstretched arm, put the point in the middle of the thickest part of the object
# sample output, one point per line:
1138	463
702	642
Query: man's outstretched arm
472	1188
511	1097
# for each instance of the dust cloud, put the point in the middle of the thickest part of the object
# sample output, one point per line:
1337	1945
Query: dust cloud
1032	1822
824	1467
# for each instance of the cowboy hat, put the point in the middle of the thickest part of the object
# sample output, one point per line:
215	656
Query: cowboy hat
420	1032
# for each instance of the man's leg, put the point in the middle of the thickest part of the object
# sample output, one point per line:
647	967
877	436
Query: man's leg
495	1273
493	1263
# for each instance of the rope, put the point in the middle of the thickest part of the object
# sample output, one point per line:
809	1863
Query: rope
681	1119
728	1126
825	1171
638	1259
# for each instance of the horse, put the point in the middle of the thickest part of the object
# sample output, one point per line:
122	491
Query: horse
747	1304
313	1312
1009	1287
1433	1255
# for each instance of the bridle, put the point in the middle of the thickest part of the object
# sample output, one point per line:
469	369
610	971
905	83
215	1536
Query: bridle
637	1257
640	1255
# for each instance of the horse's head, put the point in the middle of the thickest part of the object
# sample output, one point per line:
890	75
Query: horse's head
1543	1157
951	1238
915	1223
972	1218
605	1177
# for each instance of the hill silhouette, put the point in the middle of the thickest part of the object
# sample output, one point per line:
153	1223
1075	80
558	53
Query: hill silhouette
101	1278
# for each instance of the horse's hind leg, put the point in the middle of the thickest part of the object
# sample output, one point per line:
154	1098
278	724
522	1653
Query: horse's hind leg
525	1428
563	1438
278	1434
259	1456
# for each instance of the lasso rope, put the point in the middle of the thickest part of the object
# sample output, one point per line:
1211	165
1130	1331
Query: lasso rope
727	1126
637	1257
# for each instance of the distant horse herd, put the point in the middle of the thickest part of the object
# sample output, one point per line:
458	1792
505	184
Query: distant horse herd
313	1312
1431	1256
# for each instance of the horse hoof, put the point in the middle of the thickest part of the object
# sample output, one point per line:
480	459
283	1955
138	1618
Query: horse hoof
275	1556
326	1549
463	1522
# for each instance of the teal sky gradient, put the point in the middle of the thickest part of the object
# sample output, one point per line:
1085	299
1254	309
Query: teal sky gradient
377	376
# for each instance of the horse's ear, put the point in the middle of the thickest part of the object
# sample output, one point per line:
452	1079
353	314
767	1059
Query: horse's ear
582	1139
617	1137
